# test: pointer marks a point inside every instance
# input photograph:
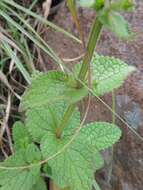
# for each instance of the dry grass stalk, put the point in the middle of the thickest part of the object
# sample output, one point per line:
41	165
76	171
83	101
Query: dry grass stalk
4	127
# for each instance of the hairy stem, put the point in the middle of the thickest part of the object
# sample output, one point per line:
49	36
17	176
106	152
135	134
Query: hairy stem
92	42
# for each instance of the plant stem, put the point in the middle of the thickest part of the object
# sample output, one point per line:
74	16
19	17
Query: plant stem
92	42
53	186
112	149
65	120
113	107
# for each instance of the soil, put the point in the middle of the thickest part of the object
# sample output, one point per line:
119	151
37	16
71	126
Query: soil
128	153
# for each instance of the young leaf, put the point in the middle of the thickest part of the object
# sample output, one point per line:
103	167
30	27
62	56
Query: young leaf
118	25
47	118
95	4
108	73
115	22
99	4
122	5
20	136
85	3
23	178
51	87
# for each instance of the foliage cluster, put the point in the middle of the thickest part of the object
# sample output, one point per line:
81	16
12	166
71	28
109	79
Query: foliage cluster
53	139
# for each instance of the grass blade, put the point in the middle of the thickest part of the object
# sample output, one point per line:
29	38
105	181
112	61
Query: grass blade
41	19
30	36
17	61
96	186
72	8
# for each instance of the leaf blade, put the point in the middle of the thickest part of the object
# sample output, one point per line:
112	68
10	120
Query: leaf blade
52	87
47	118
101	135
20	179
73	167
108	74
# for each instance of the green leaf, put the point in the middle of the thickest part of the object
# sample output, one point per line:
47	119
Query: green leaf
73	167
126	5
108	73
47	169
20	136
95	4
40	121
100	135
98	161
116	23
51	87
40	185
99	4
85	3
23	179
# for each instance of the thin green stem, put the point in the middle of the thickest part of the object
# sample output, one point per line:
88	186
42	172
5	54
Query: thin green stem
113	107
65	119
112	149
92	42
